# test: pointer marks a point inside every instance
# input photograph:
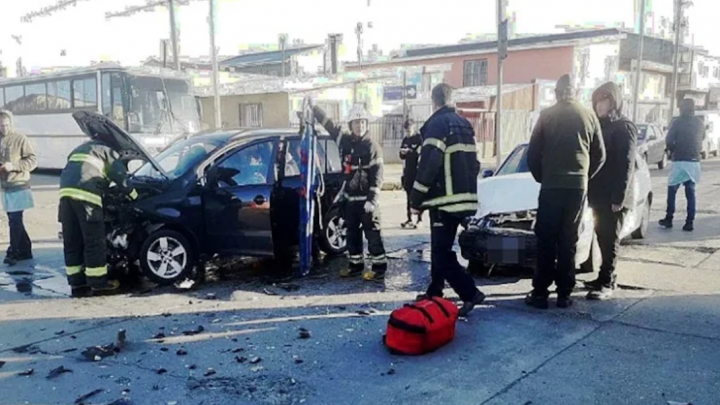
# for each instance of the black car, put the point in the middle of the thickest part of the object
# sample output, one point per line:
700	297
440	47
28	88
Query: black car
223	193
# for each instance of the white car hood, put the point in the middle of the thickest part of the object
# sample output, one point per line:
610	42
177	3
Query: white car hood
506	194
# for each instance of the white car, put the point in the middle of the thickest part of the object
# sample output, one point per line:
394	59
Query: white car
502	230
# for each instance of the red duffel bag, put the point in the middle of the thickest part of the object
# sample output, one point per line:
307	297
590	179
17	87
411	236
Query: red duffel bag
421	327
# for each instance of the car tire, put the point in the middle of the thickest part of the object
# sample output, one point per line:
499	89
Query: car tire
478	268
167	257
334	237
642	231
662	163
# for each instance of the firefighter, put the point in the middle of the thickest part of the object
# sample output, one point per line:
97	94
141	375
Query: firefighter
446	185
90	169
363	168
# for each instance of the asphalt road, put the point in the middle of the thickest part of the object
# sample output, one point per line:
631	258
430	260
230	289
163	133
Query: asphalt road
658	341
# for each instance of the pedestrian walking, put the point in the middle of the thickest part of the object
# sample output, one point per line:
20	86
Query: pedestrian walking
90	169
410	154
17	160
684	142
610	192
363	167
446	185
566	150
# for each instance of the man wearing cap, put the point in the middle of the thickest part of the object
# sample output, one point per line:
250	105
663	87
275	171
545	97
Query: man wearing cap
363	167
566	150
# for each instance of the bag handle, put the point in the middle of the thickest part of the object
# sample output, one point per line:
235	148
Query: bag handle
423	311
442	307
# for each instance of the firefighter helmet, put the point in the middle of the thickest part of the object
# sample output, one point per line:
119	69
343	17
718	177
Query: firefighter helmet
358	112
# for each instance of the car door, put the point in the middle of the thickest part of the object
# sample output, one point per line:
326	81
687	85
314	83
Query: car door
656	146
237	200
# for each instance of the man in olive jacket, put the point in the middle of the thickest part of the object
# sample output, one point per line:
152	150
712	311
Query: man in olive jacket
566	150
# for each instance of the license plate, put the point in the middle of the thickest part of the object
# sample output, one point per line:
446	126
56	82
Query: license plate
506	249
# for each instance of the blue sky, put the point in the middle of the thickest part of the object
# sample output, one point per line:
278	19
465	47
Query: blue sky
85	34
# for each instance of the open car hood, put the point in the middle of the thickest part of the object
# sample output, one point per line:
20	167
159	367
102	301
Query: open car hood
506	194
129	149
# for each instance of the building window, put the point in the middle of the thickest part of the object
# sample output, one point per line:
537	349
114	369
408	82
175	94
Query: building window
251	115
475	73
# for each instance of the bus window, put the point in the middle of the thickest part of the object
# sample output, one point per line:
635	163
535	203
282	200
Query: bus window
13	96
85	93
151	111
106	95
2	98
35	97
59	97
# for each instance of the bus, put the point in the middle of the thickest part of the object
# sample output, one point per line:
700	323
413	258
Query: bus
154	105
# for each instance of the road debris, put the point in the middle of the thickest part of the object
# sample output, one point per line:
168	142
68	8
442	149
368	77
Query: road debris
161	371
240	359
362	312
73	349
81	399
255	360
56	372
60	332
304	333
121	339
210	296
210	372
97	353
159	336
192	367
27	373
269	292
678	403
257	368
196	331
166	314
289	287
181	352
2	363
121	401
164	349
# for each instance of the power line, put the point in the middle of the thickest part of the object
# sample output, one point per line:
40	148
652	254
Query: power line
49	10
148	6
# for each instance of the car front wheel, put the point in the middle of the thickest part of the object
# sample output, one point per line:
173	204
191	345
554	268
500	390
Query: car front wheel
166	257
334	239
642	231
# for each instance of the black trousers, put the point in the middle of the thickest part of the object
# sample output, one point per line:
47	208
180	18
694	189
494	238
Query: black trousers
20	244
408	208
608	225
83	229
444	265
358	221
557	228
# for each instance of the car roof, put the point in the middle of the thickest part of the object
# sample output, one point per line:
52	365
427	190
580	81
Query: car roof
249	134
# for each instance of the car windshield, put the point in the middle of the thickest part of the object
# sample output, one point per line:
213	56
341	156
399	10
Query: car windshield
515	163
179	158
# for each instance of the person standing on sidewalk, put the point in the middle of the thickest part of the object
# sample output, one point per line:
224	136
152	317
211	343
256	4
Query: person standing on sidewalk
17	160
410	154
610	193
566	150
363	167
684	141
446	184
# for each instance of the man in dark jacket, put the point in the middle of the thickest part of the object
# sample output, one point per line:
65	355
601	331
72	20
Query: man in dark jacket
446	184
363	167
566	150
90	169
684	141
610	193
410	153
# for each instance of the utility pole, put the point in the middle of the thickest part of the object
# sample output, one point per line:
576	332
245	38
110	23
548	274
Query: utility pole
501	55
213	52
283	43
405	106
679	28
359	32
173	34
638	71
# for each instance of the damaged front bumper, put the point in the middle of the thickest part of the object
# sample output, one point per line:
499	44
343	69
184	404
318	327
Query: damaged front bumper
506	239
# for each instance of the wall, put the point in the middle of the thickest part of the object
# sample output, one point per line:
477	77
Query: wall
521	66
276	112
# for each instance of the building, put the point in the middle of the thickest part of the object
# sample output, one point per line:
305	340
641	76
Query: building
591	56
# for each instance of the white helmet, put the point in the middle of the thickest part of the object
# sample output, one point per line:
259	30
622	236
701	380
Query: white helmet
358	112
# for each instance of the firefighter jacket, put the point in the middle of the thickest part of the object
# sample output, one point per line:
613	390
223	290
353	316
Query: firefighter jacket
90	170
362	161
447	173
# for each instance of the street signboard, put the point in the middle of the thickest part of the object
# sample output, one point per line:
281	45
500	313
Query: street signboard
395	93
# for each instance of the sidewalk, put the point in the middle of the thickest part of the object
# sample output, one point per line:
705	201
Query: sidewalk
393	173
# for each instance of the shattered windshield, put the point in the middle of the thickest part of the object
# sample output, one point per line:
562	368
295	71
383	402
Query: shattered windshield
179	158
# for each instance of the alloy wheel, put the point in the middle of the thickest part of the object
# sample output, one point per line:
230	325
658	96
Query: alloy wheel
167	257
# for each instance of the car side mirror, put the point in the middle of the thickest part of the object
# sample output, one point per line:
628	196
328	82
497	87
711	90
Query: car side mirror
209	178
487	173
